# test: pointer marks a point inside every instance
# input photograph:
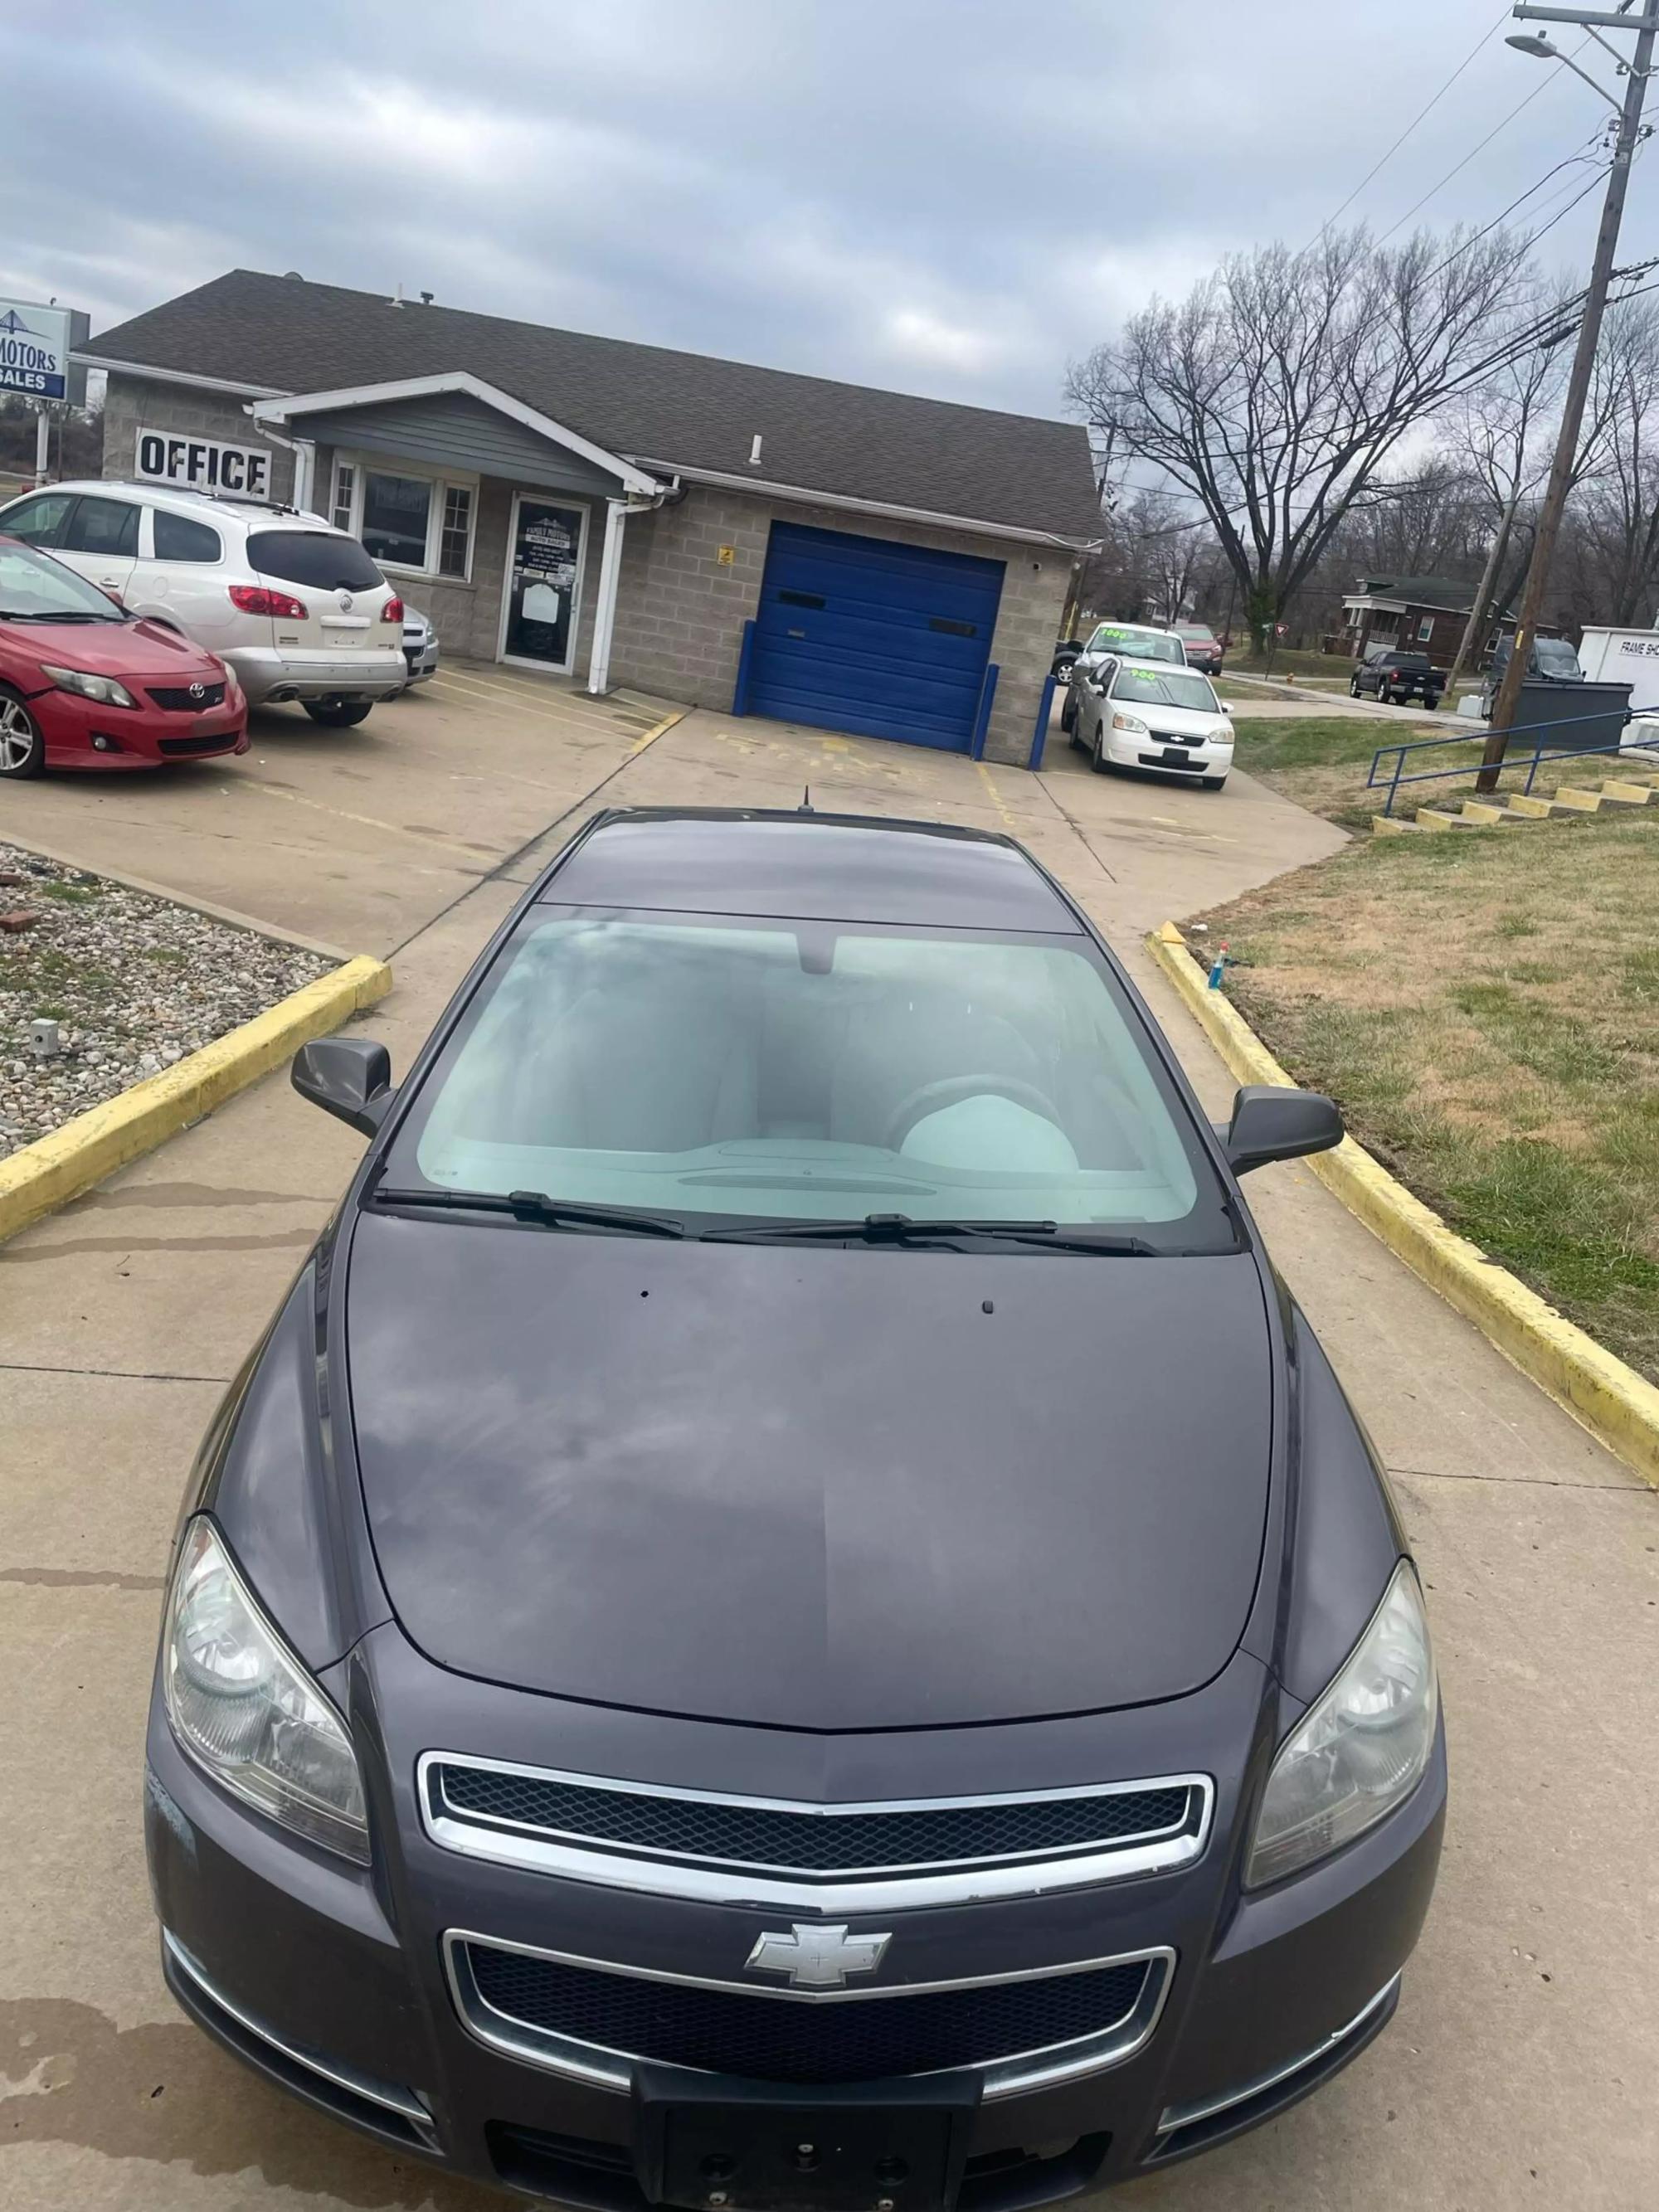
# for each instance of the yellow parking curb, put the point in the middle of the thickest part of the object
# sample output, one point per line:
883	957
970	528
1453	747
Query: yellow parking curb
48	1173
1618	1405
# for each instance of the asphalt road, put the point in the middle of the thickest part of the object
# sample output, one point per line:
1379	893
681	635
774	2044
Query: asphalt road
1519	2070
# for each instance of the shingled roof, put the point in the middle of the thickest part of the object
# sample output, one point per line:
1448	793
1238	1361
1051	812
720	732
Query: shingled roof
675	411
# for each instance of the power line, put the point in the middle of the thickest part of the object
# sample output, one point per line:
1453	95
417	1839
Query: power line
1485	41
1543	85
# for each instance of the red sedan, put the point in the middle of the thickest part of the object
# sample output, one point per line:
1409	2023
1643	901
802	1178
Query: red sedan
84	685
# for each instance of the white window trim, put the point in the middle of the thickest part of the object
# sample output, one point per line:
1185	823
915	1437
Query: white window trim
441	480
1425	628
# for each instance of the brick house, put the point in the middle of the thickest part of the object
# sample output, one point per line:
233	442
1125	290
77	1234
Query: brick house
608	512
1419	614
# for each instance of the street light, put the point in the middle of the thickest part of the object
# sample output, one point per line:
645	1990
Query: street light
1540	50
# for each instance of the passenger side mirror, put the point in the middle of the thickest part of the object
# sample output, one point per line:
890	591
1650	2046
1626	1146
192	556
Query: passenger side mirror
109	592
1271	1122
347	1077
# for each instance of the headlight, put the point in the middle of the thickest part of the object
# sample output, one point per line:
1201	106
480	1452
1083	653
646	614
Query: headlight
243	1705
1361	1750
1131	722
104	688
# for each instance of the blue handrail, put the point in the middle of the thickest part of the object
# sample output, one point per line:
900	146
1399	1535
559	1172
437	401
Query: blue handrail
1539	753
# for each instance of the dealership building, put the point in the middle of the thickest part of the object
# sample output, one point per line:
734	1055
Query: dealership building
612	513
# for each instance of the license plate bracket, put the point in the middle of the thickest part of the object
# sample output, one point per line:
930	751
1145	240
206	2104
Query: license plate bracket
714	2144
1176	757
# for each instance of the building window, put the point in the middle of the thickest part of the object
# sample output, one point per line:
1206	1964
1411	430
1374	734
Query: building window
397	511
1425	629
418	523
456	535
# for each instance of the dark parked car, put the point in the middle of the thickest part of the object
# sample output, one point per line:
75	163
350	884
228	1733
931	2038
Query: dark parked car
1395	677
1552	660
1065	653
789	1611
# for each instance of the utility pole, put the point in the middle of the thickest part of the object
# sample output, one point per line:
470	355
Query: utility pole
1468	650
1593	20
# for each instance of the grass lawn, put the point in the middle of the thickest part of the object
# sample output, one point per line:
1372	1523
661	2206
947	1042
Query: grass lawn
1323	763
1287	662
1484	1006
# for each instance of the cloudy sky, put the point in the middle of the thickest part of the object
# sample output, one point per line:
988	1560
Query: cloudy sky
950	196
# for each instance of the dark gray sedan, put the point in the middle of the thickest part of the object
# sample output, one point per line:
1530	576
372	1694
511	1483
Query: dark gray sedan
789	1612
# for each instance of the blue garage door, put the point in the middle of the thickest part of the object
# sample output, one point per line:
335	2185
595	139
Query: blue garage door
861	633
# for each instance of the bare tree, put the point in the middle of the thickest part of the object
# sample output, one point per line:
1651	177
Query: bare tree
1278	390
1615	518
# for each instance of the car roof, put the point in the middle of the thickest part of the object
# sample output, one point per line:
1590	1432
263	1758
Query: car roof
180	497
807	867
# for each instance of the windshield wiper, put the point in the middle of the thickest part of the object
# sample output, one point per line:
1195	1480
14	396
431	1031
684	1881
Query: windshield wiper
58	614
537	1206
904	1229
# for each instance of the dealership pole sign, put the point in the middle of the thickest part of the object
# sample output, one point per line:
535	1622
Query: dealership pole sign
34	349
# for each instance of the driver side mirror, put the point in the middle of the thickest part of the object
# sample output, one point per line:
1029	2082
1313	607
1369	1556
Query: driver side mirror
1271	1122
347	1077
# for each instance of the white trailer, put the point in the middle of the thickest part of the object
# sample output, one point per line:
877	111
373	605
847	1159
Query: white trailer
1624	656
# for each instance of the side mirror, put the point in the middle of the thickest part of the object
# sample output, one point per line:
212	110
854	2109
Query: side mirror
347	1077
112	594
1271	1123
1225	705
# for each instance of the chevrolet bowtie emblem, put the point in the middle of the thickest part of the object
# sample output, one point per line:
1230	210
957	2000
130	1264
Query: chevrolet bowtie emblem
817	1956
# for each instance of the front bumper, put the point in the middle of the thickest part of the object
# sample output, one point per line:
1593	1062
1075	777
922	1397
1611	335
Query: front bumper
422	662
1129	749
333	1980
80	733
268	675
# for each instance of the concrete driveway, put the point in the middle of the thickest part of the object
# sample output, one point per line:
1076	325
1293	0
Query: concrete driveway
1519	2070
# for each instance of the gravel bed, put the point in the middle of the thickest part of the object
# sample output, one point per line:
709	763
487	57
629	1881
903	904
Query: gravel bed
133	982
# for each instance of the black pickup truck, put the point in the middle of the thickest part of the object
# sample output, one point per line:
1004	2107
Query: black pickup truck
1395	677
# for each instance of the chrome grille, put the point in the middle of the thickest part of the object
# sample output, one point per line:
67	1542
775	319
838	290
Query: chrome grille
825	1858
785	1841
593	2021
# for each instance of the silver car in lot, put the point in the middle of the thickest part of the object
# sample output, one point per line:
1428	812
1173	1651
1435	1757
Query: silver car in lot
420	647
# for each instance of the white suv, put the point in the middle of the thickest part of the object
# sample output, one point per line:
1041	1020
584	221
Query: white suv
295	606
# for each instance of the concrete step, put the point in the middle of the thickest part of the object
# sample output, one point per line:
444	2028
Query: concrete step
1430	817
1630	795
1392	825
1530	808
1573	799
1487	816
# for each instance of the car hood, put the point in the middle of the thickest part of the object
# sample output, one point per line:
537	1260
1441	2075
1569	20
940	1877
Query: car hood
1196	722
808	1486
144	649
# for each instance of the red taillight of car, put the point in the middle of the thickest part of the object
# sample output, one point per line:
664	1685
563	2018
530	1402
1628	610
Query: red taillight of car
255	600
392	610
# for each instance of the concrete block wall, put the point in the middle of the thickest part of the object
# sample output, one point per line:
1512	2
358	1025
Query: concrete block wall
680	612
133	402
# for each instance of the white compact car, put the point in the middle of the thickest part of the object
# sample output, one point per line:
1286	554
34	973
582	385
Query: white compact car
1129	640
1151	715
297	607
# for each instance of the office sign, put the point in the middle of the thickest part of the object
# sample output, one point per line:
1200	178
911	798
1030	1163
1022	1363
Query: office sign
203	464
34	349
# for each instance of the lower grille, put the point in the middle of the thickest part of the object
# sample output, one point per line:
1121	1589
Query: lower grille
188	699
215	741
537	2004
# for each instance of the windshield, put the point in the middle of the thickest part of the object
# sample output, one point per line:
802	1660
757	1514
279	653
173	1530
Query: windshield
1556	657
1194	633
35	587
1145	644
714	1069
1166	687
